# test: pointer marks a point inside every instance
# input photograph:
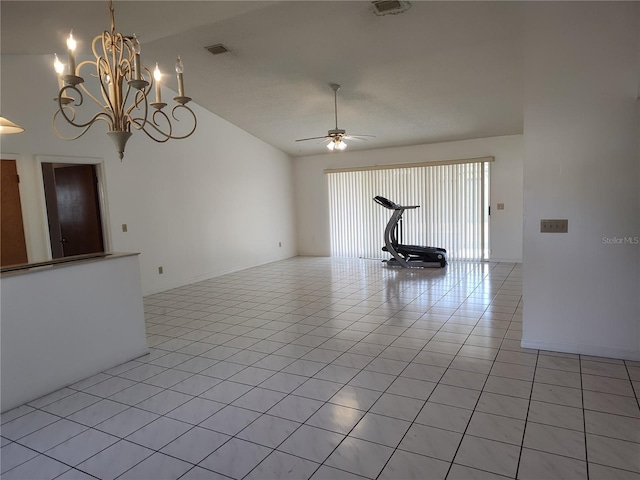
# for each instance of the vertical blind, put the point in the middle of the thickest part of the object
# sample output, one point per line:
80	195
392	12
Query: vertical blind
453	199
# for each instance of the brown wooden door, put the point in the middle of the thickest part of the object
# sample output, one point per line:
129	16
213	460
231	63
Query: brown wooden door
12	241
78	210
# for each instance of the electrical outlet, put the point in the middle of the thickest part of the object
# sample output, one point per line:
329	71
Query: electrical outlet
160	271
500	206
554	226
124	227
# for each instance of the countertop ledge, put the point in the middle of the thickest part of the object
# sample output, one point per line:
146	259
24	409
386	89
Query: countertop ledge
25	268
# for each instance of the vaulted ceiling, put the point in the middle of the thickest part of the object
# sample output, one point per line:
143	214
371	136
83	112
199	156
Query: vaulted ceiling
440	71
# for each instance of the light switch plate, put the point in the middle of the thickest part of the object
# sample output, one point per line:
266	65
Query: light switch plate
554	226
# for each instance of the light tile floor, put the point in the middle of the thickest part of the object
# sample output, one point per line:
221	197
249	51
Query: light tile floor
337	369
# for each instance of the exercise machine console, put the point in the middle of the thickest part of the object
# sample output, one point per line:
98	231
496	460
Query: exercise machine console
407	256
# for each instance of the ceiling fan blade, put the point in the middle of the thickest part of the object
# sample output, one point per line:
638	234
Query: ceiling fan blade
359	136
311	138
336	135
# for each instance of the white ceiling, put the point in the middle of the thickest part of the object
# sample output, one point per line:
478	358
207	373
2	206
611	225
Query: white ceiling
440	71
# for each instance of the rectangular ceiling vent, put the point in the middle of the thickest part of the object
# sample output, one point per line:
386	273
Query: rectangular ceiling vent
390	7
217	49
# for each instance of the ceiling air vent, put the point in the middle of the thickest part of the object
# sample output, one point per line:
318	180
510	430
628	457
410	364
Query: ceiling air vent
217	49
390	7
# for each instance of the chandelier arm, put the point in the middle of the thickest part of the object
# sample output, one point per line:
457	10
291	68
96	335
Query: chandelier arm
127	68
102	69
120	75
84	89
150	125
121	43
140	99
193	115
122	55
152	137
95	42
125	113
153	124
116	56
111	42
85	126
148	75
63	109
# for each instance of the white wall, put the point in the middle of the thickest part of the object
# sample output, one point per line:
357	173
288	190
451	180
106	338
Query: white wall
581	163
216	202
506	187
66	323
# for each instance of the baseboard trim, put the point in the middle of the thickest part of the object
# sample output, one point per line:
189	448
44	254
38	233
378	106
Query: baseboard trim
505	260
592	350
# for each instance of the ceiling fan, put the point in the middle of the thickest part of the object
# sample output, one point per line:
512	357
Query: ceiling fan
336	136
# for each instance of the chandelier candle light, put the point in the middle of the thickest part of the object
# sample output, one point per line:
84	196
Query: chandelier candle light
124	85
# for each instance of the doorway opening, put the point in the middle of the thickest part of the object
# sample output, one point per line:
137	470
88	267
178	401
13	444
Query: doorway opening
73	209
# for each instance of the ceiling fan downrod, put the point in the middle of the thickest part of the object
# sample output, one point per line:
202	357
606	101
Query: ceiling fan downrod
335	87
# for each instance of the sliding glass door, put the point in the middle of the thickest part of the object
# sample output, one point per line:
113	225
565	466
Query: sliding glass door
453	213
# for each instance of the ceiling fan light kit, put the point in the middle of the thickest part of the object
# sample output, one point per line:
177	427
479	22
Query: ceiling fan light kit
336	144
124	86
336	136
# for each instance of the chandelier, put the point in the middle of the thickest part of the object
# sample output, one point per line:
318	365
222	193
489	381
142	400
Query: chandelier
121	90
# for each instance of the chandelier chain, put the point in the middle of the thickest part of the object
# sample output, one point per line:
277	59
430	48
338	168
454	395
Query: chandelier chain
112	15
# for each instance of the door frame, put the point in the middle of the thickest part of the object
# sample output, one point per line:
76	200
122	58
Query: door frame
102	193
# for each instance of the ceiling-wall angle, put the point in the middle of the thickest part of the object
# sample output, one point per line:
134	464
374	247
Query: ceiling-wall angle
217	49
390	7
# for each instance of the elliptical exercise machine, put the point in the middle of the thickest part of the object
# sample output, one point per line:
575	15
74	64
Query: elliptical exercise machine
407	256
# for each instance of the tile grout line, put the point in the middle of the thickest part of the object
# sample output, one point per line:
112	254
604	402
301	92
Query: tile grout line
324	403
526	419
477	401
232	436
584	416
367	411
411	423
133	406
633	386
353	294
321	464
